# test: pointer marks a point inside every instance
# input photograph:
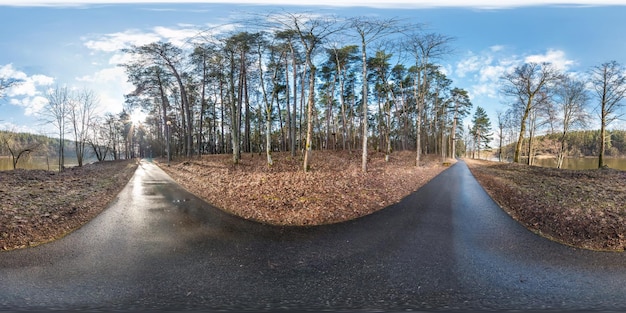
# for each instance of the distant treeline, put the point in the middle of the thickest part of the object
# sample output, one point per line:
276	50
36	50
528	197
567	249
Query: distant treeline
42	145
583	143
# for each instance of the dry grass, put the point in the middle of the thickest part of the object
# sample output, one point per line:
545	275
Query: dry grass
581	208
38	206
334	190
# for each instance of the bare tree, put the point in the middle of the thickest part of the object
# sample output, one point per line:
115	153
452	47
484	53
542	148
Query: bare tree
342	58
289	38
501	125
538	117
19	146
98	139
6	83
238	47
369	30
572	99
81	114
525	84
200	58
152	83
275	61
609	82
424	48
55	113
311	31
166	55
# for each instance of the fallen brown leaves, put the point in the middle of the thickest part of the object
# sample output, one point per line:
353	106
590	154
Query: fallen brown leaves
581	208
38	206
334	190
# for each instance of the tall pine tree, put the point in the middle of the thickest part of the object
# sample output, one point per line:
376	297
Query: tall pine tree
481	130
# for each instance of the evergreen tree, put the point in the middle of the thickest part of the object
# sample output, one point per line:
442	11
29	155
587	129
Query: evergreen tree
481	127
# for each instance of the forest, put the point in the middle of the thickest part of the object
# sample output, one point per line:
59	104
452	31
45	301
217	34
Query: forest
293	83
295	89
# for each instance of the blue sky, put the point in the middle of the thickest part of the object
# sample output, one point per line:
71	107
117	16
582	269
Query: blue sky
48	43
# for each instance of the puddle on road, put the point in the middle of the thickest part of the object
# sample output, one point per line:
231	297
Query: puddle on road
149	185
154	182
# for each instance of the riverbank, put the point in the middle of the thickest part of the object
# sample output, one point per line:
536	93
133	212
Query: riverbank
580	208
333	191
38	206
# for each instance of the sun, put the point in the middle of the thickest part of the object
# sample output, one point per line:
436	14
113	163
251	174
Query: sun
137	117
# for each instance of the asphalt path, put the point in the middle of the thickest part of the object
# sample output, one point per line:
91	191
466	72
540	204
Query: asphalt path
447	246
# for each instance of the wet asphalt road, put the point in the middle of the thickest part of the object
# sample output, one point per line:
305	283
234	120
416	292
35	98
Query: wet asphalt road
448	246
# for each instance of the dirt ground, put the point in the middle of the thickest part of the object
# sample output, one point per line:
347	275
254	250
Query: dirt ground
38	206
334	190
581	208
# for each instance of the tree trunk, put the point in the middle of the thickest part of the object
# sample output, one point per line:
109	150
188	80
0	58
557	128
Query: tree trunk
234	113
417	93
341	101
453	144
311	103
248	127
387	117
500	145
292	134
202	105
561	154
602	139
302	98
518	145
364	99
288	105
222	109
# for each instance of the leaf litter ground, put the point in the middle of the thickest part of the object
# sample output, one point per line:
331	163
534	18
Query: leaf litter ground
334	190
38	206
581	208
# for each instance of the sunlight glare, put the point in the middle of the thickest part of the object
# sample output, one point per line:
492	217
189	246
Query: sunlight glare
137	117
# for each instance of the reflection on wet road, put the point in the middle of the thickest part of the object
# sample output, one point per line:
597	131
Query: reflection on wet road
447	246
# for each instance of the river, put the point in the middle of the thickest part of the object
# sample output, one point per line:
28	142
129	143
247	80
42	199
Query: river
40	163
582	163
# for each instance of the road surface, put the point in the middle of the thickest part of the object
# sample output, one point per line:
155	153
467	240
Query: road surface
447	246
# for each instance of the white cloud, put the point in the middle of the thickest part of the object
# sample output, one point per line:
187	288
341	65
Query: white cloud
496	48
120	40
114	42
29	85
19	128
31	105
178	37
446	69
7	71
483	71
556	57
112	103
110	74
120	58
470	64
110	84
27	93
